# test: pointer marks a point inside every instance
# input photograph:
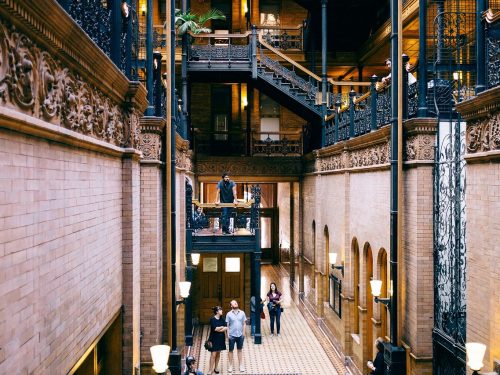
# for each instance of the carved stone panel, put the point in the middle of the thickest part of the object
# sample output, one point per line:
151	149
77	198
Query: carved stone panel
34	82
483	134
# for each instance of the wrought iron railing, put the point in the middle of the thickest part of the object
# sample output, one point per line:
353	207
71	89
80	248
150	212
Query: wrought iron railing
284	38
365	113
206	218
492	39
220	47
113	27
276	143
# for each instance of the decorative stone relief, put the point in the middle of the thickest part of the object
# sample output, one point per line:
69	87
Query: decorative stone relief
33	82
183	160
272	166
331	163
483	134
419	147
150	145
371	156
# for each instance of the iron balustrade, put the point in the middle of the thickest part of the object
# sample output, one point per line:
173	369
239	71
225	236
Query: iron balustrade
492	41
276	143
220	48
356	115
205	218
120	42
284	38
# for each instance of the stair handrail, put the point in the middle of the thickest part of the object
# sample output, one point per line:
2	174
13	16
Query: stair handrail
220	36
287	59
348	83
263	27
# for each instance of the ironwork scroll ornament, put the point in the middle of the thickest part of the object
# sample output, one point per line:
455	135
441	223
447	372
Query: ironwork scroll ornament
32	81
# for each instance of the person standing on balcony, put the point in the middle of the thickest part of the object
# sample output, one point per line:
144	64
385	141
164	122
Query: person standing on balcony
226	193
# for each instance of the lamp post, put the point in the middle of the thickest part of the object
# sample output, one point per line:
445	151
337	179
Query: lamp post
159	354
192	263
475	355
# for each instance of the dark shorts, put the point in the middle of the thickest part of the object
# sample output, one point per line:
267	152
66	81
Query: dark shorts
238	341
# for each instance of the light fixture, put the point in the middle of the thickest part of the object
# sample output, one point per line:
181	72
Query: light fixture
333	259
143	9
457	75
184	287
475	354
159	354
244	103
376	286
195	258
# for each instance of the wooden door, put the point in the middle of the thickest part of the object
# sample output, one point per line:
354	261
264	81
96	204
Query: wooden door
221	279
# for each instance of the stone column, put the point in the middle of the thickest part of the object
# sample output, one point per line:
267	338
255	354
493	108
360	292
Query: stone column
151	222
417	284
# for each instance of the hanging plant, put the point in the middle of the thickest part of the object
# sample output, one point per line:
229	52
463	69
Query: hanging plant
185	22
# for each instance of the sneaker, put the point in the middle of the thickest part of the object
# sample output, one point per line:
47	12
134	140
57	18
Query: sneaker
242	369
271	335
230	368
279	335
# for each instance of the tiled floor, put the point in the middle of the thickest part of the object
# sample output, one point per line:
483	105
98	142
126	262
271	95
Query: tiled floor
297	351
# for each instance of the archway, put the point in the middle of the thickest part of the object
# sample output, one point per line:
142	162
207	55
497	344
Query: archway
355	286
368	339
383	275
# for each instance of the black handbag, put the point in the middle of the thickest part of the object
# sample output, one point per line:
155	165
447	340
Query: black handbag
208	345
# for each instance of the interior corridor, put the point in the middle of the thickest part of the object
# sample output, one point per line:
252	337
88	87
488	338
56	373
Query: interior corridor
301	349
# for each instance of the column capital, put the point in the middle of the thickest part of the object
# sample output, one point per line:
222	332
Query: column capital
150	142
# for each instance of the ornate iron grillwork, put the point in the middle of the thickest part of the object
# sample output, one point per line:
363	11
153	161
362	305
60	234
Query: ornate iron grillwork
453	82
216	52
283	146
493	54
255	214
344	122
289	75
412	99
383	108
362	117
129	42
94	17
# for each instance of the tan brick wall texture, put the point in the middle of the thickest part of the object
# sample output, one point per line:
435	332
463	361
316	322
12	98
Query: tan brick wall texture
483	249
60	252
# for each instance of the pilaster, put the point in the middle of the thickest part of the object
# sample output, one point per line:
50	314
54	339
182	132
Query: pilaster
151	224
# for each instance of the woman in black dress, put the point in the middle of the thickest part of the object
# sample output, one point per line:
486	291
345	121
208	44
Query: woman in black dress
218	331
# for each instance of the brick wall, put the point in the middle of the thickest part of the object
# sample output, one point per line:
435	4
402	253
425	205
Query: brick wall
483	249
60	251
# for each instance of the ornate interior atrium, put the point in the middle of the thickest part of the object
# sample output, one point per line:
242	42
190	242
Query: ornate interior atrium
316	182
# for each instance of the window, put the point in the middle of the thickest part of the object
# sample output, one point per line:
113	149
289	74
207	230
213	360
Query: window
335	291
269	12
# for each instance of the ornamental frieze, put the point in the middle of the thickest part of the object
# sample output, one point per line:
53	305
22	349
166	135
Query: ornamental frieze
32	81
483	134
372	156
255	166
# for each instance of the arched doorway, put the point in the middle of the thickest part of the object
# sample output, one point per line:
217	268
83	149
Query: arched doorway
382	265
355	286
368	342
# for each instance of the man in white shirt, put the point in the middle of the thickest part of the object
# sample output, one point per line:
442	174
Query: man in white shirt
236	323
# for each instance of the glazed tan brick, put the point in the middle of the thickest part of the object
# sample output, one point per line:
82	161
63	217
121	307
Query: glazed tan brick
60	251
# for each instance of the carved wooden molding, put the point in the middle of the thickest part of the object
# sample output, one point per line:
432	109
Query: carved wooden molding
35	83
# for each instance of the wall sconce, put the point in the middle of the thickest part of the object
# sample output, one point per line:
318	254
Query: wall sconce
333	259
376	286
143	9
184	287
195	259
244	103
475	354
159	354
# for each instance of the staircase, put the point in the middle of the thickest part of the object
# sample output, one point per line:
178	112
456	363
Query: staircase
301	93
